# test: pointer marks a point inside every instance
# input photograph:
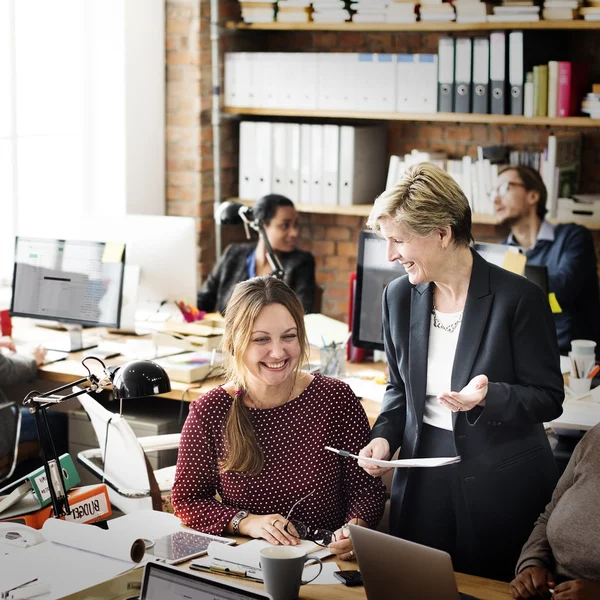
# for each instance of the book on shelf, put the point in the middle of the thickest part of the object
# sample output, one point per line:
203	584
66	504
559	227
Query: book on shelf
192	366
561	172
573	83
540	91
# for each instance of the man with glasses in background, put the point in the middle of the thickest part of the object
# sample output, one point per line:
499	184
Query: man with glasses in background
567	250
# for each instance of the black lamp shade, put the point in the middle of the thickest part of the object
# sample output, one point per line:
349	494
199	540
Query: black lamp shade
228	213
140	378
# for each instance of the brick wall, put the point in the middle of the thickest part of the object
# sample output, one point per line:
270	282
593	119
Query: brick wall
331	238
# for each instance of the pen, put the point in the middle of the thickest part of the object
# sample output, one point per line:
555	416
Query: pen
593	372
343	453
30	591
250	575
7	593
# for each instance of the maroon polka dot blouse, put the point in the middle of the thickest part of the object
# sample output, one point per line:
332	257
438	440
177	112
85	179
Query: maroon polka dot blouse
293	439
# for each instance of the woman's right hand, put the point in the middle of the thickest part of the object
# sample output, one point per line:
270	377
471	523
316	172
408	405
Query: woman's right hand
379	449
267	527
532	582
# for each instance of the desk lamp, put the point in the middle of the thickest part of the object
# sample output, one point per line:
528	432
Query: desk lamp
136	379
234	213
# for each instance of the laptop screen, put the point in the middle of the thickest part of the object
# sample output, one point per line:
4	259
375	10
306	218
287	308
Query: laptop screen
162	582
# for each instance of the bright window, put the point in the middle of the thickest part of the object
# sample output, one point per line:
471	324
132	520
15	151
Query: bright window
68	115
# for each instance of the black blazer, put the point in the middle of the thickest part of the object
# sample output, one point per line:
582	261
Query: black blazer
507	470
299	267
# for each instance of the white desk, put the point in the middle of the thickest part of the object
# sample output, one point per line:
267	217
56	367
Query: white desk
580	414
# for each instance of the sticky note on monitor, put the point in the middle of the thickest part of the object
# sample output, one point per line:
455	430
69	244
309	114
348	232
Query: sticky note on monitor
113	252
514	262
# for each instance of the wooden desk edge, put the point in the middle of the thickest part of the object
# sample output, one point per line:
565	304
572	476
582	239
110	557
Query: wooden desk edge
127	584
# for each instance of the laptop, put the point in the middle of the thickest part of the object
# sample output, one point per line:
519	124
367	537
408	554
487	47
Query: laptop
161	582
393	568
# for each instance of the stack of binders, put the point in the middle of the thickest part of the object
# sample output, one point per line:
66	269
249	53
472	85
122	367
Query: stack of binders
294	11
328	165
330	11
257	11
436	10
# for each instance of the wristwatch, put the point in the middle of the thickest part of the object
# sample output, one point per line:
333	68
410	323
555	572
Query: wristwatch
242	514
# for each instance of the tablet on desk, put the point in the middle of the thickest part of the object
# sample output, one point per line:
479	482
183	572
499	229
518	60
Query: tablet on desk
183	545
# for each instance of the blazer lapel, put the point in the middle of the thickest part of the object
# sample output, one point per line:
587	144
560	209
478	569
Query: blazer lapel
475	317
420	310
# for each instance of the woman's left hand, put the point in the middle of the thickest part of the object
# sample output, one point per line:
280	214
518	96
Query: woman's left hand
470	396
343	547
577	590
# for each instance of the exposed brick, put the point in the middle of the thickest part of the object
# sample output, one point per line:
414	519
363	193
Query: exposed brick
323	248
338	233
346	249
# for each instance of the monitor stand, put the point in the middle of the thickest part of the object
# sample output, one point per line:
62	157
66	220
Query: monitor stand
74	342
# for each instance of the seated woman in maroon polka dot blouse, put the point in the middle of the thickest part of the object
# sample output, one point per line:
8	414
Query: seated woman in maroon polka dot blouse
258	442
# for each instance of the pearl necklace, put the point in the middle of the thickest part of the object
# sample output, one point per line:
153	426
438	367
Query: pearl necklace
450	328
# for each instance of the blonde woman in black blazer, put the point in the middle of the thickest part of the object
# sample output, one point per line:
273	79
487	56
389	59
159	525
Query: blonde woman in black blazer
474	371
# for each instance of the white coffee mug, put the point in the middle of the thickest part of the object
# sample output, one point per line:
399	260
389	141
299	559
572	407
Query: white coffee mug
282	568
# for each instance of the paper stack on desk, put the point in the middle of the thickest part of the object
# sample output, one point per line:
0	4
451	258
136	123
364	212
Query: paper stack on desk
192	366
72	558
244	561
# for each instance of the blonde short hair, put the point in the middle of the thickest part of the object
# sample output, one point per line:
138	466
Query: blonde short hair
426	199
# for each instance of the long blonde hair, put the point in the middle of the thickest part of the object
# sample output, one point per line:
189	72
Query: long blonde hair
243	453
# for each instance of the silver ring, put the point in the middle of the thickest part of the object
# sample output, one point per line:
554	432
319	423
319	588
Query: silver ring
351	553
274	521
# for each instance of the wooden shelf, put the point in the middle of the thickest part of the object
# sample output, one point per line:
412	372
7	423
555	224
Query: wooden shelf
363	210
356	210
414	27
431	117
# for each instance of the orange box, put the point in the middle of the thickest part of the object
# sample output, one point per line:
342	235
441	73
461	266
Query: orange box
88	504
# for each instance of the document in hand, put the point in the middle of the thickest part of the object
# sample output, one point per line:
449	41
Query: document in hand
402	463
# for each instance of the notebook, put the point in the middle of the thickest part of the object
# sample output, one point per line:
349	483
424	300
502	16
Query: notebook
394	568
162	582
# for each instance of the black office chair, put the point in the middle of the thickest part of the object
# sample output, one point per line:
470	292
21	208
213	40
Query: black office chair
10	427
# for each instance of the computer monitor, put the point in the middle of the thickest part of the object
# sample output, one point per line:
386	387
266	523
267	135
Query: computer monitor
373	273
75	282
162	260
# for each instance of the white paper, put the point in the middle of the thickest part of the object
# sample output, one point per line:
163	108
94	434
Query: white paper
148	524
565	364
247	554
66	570
119	544
405	462
325	578
365	388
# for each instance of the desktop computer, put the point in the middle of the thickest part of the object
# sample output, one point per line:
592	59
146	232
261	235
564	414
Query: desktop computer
374	272
78	283
161	264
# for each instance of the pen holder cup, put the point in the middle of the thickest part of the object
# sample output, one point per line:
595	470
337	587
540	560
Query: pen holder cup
333	361
583	347
580	386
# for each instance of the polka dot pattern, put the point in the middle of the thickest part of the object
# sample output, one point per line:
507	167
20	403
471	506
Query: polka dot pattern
293	439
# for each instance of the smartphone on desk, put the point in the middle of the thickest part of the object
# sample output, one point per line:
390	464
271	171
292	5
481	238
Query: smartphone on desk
350	578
